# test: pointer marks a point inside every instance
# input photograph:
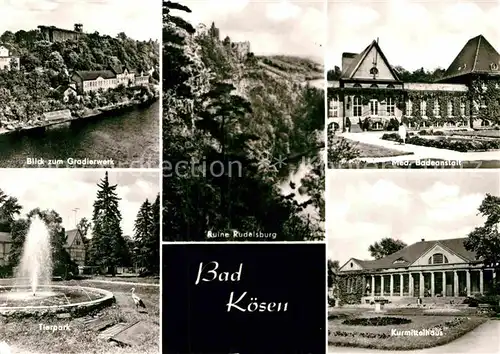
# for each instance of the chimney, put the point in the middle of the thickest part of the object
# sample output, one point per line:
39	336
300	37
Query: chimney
423	240
78	27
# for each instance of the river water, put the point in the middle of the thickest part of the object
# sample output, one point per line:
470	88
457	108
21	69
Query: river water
130	139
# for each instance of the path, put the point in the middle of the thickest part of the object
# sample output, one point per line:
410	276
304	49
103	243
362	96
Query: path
419	152
119	282
484	339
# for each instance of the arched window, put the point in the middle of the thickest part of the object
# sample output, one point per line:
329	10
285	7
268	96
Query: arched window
409	108
334	107
438	258
462	107
423	108
357	107
436	110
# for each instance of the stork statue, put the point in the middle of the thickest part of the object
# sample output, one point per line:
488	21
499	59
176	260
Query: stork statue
137	300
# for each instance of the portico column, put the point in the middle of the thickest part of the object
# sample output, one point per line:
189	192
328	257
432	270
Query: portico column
401	284
411	286
444	284
391	290
455	283
481	282
382	285
467	279
432	284
373	285
421	285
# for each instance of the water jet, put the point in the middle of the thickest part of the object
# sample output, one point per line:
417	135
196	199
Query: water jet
32	292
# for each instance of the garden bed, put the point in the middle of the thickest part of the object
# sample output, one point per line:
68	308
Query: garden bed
463	144
390	337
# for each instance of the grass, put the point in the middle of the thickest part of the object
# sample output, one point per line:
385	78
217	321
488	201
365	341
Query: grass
25	336
372	334
128	279
369	150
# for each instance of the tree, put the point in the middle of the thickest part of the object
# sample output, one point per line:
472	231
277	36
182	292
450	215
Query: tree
485	240
333	268
107	244
333	75
385	247
9	209
83	226
147	237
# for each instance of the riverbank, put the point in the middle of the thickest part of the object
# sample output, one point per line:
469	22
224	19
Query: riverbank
85	114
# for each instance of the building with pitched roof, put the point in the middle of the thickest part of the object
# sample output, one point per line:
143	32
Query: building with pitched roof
440	268
7	59
86	81
75	245
370	90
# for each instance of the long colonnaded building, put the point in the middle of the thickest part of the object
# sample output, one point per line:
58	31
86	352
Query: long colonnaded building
443	268
369	89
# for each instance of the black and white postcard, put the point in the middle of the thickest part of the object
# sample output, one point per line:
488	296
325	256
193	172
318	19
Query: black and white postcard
79	261
79	84
413	84
413	263
243	120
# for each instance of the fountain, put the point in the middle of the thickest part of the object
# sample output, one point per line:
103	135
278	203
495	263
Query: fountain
32	291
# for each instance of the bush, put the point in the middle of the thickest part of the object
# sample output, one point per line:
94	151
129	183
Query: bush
449	144
376	321
393	125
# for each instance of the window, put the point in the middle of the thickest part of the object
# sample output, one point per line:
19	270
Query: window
462	107
357	107
399	260
334	107
390	107
77	242
374	71
352	265
450	109
409	108
438	258
494	66
374	107
423	108
437	110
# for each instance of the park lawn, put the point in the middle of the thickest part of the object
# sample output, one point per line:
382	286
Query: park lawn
24	335
400	342
369	150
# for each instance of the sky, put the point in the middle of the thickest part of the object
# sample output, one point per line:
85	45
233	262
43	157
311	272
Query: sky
66	189
365	206
272	27
412	34
140	20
